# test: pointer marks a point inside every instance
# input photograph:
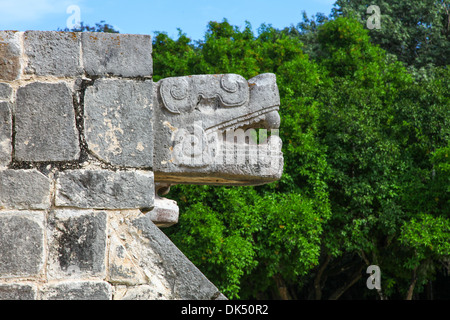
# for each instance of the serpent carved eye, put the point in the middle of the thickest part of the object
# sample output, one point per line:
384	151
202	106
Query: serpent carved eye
229	83
179	90
175	94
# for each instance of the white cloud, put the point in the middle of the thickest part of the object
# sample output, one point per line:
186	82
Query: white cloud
20	11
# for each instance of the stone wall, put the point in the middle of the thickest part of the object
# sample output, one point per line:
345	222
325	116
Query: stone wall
77	185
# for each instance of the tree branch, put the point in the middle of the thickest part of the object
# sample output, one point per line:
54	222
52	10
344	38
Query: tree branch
410	292
353	279
380	293
318	278
281	287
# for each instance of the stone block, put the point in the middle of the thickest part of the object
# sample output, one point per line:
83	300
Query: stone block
53	53
21	243
131	259
123	263
101	189
10	51
118	122
24	189
77	244
5	91
5	134
186	280
142	292
45	123
123	55
77	290
18	291
165	213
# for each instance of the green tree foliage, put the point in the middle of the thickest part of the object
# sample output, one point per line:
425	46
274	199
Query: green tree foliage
257	240
173	58
417	31
362	138
380	127
101	26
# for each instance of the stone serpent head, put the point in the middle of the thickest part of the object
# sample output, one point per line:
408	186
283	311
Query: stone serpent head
217	129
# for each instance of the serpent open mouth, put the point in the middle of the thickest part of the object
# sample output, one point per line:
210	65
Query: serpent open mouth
252	139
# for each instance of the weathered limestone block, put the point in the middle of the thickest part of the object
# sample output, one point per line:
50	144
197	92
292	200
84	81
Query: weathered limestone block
21	243
122	265
118	122
77	290
140	292
77	244
5	91
101	189
5	134
117	54
45	123
53	53
24	189
132	261
165	213
144	264
18	291
185	280
10	67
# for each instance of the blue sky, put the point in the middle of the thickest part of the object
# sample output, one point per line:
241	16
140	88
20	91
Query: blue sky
146	17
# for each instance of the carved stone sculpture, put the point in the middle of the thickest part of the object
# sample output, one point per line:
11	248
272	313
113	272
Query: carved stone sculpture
205	128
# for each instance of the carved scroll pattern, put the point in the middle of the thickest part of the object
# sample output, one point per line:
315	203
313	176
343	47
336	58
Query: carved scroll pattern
181	94
191	147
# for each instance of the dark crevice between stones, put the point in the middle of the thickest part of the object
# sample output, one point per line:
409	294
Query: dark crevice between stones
119	77
13	135
78	103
